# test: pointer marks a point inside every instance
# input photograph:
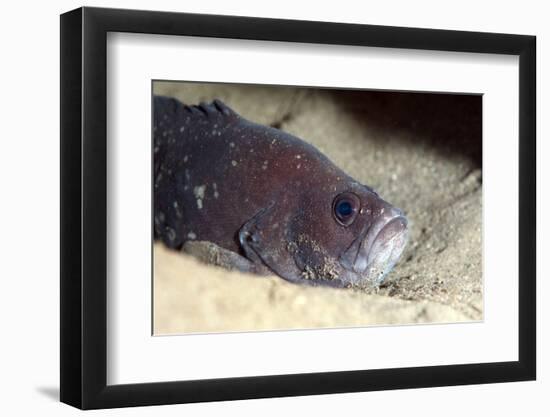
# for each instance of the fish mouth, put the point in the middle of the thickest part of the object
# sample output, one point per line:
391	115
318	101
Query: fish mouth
375	252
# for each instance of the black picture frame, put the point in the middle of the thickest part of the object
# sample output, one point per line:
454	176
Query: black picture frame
84	207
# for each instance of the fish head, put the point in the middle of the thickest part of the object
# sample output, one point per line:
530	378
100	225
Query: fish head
380	235
357	232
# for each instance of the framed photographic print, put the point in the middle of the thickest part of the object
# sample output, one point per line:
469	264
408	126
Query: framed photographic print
258	208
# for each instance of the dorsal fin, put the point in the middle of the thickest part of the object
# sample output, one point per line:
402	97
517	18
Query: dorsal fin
216	107
170	106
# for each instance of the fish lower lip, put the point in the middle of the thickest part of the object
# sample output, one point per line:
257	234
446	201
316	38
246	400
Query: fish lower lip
377	256
386	250
392	236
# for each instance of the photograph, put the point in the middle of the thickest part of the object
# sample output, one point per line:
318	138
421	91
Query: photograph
259	206
298	207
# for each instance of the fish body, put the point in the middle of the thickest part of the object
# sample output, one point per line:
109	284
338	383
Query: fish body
268	197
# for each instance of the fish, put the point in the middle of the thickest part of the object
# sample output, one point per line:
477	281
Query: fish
268	201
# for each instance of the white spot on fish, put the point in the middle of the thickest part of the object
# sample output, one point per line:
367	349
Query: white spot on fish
199	194
234	163
185	158
298	156
231	144
191	235
199	191
182	129
170	234
178	211
216	194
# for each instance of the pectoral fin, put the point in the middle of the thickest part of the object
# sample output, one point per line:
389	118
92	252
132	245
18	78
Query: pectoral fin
212	254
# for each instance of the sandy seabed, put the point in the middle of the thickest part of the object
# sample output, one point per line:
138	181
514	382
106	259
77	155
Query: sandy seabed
420	152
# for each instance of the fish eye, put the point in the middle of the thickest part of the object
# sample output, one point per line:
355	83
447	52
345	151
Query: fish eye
345	208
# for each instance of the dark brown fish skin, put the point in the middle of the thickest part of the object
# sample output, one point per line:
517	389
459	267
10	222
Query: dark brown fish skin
266	195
